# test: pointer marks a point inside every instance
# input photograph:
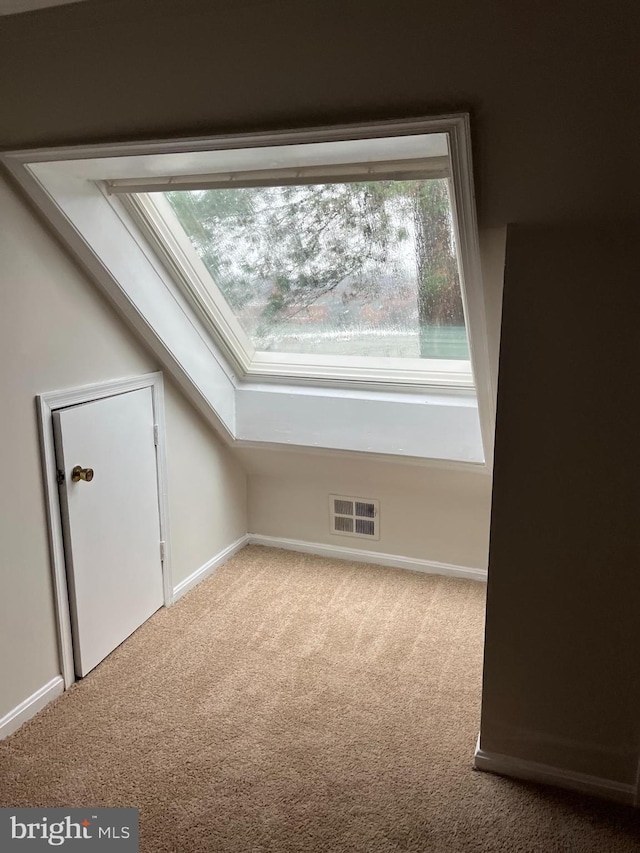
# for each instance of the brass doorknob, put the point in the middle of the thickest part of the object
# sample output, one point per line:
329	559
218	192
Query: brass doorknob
80	473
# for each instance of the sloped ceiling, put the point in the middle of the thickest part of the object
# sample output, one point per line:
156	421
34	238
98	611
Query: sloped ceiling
552	87
15	7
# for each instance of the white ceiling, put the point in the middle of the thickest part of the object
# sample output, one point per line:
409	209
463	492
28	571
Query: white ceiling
14	7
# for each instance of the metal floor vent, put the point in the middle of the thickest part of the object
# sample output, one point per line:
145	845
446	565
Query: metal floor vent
354	516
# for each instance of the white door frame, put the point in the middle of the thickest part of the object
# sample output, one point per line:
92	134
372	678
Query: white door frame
47	404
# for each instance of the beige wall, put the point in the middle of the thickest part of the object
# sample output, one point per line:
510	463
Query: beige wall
427	513
56	331
207	488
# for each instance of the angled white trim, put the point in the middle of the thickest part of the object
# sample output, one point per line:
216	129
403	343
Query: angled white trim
532	771
359	555
413	461
472	289
122	165
209	567
30	706
161	227
47	404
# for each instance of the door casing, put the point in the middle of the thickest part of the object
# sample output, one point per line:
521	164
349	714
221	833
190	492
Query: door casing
46	405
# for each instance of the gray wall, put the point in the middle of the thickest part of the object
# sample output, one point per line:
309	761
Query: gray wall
561	681
552	88
56	332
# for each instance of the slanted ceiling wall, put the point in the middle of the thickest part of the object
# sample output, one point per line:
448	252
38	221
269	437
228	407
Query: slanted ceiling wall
56	331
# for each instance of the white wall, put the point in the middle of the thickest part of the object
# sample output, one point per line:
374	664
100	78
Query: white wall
57	331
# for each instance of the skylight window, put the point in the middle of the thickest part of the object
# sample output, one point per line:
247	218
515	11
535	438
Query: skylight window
364	268
335	259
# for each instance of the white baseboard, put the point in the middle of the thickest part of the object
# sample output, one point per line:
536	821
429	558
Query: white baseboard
531	771
359	555
30	707
209	567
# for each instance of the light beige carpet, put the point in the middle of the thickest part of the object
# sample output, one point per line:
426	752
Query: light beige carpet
293	703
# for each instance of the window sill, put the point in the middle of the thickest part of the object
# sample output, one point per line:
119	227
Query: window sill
358	372
420	425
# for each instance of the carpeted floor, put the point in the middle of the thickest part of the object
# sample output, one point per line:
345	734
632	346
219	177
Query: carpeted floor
293	703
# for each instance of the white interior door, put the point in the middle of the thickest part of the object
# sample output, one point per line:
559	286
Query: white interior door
111	520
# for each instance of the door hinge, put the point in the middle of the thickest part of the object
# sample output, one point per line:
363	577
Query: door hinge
60	476
156	433
162	551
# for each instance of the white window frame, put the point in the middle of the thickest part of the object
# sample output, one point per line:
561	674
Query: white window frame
69	185
162	227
